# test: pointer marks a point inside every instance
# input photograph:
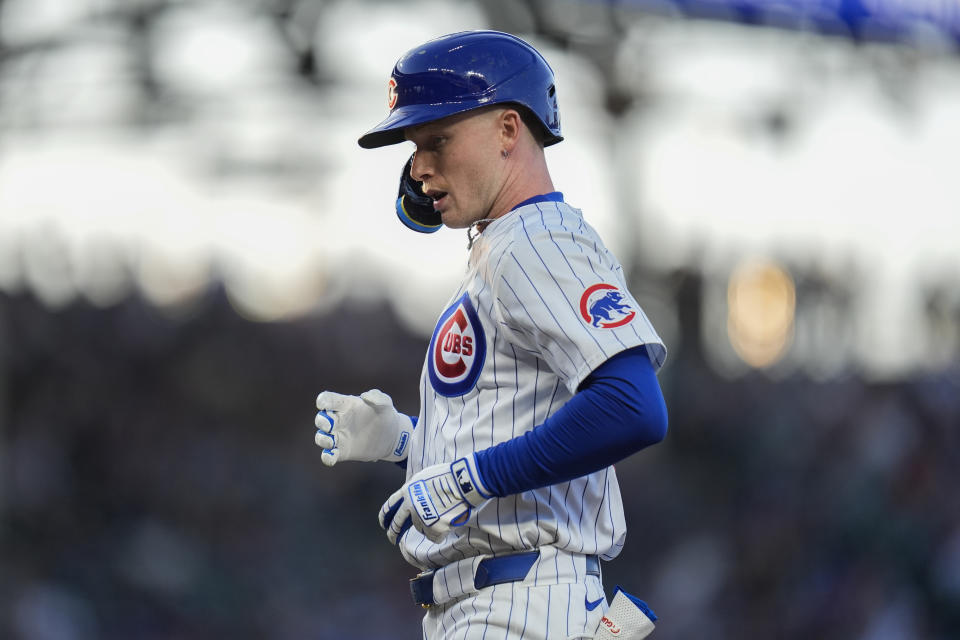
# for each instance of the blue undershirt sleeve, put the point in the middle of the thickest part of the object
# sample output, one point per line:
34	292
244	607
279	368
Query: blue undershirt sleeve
618	410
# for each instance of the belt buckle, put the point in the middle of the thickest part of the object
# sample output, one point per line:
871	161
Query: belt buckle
417	577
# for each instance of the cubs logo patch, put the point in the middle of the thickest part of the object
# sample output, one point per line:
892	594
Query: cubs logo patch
457	350
603	306
391	93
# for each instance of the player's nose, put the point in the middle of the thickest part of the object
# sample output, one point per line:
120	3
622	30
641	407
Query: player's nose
420	168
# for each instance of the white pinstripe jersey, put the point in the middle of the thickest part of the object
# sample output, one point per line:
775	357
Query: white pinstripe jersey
542	304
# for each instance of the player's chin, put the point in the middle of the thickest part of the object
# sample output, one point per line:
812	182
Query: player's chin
452	218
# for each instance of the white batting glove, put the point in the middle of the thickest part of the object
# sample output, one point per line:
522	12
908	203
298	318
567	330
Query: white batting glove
364	428
435	500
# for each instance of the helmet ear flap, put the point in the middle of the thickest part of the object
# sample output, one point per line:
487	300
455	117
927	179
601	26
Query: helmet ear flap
415	209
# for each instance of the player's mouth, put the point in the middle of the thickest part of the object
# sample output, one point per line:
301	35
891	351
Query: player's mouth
437	197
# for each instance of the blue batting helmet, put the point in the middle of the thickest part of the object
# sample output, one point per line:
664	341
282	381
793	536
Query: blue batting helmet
464	71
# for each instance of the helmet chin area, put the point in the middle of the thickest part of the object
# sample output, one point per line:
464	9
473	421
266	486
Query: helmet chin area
415	208
417	217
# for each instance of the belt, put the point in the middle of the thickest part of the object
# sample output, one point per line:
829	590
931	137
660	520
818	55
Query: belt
492	571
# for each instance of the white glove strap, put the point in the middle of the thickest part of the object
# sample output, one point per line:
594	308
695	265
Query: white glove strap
465	473
404	431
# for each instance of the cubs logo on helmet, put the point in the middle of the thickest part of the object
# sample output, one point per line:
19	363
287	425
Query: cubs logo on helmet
603	305
392	93
457	350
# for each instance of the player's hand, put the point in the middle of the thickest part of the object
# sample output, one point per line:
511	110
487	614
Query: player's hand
364	428
435	500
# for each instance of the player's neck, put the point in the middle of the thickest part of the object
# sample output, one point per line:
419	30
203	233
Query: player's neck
527	176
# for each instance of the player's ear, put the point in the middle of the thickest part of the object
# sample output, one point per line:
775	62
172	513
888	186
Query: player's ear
511	127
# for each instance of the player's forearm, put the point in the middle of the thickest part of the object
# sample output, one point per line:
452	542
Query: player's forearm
618	411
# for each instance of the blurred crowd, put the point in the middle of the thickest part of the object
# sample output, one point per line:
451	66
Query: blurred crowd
158	479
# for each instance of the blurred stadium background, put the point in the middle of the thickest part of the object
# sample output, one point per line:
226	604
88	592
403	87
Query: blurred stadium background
192	246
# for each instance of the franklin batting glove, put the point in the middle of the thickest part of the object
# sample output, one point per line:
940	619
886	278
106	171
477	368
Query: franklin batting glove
364	428
435	500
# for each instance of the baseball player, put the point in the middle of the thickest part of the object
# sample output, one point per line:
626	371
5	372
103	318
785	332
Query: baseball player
541	372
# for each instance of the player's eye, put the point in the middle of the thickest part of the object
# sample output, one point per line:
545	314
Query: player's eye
432	144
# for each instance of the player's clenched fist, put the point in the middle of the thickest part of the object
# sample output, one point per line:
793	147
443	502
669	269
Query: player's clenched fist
435	500
364	428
